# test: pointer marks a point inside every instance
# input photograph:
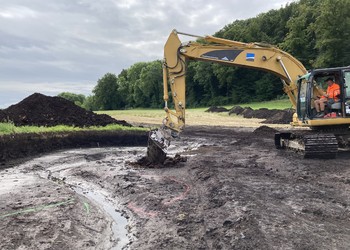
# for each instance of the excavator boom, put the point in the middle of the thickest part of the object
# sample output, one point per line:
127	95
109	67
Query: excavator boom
251	55
212	49
260	56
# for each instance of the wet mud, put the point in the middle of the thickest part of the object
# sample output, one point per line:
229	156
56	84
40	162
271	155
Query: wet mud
235	191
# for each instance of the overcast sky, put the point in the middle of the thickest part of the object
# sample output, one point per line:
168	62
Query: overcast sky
51	46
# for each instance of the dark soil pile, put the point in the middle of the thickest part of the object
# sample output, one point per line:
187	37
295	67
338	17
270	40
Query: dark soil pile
248	112
41	110
215	109
237	110
272	116
3	115
280	117
265	130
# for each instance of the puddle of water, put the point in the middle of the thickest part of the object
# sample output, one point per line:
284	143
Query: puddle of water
119	222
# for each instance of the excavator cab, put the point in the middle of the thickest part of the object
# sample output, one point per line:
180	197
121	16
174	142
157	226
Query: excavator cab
312	85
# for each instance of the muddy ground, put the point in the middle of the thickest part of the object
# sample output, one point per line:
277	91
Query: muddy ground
235	191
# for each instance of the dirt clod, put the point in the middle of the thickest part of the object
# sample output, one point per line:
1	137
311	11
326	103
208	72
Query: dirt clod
41	110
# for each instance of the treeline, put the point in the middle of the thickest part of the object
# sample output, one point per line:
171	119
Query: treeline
317	32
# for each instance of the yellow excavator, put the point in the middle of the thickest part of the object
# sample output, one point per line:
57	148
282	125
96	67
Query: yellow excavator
302	87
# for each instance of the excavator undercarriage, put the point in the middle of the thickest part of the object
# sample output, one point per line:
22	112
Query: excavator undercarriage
319	142
309	145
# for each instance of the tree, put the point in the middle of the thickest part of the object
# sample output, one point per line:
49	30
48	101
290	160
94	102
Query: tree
314	31
106	93
90	103
332	29
151	84
136	96
78	99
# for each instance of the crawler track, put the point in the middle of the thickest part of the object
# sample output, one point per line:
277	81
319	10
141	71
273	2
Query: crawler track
320	146
324	146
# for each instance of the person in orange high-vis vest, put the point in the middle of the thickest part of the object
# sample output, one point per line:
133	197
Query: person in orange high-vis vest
331	96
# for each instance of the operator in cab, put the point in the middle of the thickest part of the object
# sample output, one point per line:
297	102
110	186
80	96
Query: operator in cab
331	96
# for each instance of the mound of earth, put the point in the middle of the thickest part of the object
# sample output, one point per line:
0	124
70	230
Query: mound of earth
248	112
264	130
237	110
3	115
41	110
272	116
215	109
280	117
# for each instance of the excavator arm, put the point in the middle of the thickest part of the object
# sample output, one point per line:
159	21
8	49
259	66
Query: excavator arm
250	55
212	49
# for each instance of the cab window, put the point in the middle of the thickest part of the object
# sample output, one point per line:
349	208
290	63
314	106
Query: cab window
347	83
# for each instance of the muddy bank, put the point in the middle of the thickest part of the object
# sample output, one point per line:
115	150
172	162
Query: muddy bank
17	146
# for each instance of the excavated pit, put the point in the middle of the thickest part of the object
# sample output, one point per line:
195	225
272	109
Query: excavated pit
235	189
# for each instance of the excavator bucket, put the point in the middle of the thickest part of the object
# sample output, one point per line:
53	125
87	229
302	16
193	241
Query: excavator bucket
158	143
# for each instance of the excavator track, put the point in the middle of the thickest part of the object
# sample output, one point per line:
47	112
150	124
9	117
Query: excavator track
323	146
320	146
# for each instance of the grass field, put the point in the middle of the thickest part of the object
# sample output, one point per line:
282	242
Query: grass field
10	128
197	116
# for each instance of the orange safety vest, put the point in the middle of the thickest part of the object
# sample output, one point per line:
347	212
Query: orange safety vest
333	91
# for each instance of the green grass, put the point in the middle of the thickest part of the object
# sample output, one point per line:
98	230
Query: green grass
10	128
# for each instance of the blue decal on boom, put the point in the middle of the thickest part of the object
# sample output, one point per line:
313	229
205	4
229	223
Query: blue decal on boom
250	57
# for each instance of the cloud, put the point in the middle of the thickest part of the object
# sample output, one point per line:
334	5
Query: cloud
72	43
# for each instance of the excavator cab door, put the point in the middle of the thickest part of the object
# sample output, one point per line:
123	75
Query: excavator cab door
304	98
346	79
